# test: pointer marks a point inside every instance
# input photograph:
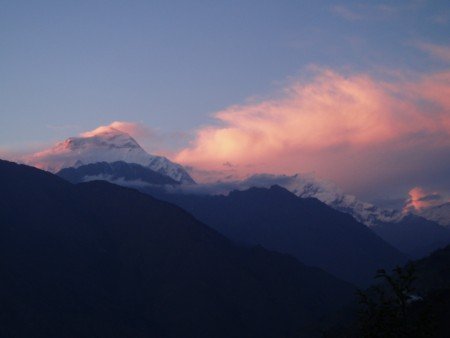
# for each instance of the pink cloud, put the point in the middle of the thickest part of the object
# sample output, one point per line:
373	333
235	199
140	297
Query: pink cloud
341	127
419	200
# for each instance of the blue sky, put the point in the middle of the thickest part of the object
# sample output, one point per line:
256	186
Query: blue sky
69	66
215	80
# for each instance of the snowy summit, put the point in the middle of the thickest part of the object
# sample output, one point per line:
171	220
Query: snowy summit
104	144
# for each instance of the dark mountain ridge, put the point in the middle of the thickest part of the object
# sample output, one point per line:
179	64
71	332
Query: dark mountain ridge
303	227
96	259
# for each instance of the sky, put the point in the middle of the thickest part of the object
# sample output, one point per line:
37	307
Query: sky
354	92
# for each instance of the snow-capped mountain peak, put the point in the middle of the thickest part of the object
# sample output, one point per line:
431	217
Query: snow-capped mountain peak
104	144
328	193
307	186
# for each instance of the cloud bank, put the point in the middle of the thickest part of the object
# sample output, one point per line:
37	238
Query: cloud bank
354	129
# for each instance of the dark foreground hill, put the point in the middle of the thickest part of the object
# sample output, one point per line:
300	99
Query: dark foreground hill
425	314
99	260
304	227
433	285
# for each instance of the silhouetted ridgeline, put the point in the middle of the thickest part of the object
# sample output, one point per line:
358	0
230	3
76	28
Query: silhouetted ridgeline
99	260
308	229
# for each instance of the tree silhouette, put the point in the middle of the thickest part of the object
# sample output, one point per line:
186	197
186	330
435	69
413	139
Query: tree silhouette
389	309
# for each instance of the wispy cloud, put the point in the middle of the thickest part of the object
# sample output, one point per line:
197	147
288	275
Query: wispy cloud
346	13
366	11
441	52
442	18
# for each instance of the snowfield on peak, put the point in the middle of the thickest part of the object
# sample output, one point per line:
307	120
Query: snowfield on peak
105	144
363	212
440	214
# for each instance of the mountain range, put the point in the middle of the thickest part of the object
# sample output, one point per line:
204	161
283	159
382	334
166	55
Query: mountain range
97	259
271	256
411	234
306	228
108	144
126	163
